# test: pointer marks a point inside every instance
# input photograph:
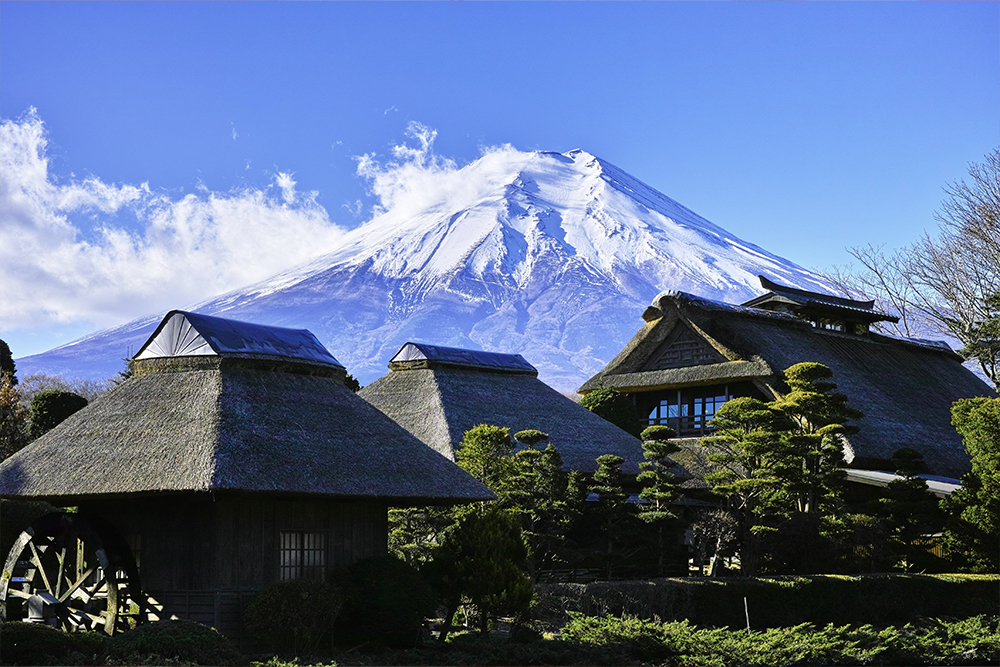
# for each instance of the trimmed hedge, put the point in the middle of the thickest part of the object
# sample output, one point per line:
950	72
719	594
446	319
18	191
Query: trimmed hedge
172	642
881	600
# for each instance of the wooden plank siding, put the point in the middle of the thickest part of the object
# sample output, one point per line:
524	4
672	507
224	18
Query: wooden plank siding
204	558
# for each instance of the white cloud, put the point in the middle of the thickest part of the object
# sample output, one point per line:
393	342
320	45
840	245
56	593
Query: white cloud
416	178
66	258
415	174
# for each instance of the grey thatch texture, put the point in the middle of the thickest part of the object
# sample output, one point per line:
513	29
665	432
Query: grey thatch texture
904	388
221	424
440	402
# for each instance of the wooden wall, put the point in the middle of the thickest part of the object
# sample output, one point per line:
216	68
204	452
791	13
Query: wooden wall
197	555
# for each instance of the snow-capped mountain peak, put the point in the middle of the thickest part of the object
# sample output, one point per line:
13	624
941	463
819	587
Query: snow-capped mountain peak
551	255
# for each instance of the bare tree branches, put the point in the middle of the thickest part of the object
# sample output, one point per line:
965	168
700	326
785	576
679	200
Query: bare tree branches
946	283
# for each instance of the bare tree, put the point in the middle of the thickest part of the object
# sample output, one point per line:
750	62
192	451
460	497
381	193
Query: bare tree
948	283
884	279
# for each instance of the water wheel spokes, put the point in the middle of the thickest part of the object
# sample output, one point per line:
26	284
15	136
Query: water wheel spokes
71	572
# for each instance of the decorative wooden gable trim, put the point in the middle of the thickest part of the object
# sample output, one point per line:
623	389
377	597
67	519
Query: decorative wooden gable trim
682	348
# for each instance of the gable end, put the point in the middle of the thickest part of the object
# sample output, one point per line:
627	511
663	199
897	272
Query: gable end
681	349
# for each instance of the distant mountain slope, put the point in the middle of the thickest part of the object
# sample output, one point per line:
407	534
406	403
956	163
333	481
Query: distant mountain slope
550	255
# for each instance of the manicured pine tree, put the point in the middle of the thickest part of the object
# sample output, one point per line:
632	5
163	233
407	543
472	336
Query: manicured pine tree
811	469
972	530
612	405
746	450
614	513
415	532
487	453
658	487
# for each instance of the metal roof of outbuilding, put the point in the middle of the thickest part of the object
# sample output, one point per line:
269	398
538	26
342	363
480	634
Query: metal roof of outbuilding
453	356
185	334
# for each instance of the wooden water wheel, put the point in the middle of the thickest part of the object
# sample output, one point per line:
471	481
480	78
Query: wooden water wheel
71	571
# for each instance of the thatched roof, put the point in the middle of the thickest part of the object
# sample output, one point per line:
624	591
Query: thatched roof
905	388
446	394
244	418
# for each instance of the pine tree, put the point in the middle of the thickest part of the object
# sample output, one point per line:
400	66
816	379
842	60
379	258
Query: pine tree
909	509
545	497
415	532
615	407
746	450
481	563
614	512
487	453
658	488
811	469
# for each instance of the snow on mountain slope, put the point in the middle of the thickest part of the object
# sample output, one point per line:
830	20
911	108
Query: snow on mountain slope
551	255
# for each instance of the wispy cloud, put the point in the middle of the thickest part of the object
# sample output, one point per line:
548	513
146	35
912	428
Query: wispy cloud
67	254
416	178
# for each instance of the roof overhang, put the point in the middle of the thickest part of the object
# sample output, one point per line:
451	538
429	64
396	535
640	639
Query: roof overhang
689	376
939	486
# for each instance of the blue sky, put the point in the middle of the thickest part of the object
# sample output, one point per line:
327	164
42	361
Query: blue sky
159	129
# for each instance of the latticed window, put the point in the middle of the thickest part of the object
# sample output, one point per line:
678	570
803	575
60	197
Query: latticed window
303	555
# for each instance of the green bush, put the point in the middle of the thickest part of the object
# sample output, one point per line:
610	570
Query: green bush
295	616
160	642
51	408
614	406
971	641
38	644
386	604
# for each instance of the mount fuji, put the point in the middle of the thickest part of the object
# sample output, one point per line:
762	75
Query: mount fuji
550	255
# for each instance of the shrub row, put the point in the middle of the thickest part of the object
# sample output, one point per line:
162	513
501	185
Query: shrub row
973	641
881	600
585	640
160	643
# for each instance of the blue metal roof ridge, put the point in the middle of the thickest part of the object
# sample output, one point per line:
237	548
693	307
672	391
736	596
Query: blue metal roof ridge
236	338
462	357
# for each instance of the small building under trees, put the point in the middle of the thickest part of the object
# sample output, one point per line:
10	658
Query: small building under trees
693	355
438	393
234	457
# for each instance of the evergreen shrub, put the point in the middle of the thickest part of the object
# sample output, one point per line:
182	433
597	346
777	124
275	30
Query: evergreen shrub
614	406
161	642
386	603
972	641
39	644
50	408
294	617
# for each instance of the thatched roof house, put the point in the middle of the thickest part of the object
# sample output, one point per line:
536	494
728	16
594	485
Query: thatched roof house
234	457
438	393
217	406
693	354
